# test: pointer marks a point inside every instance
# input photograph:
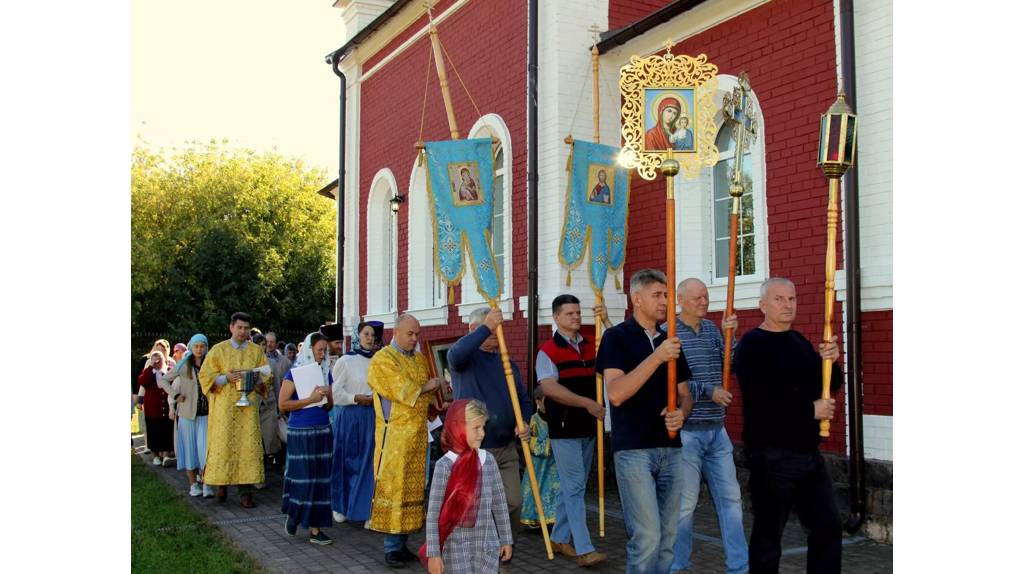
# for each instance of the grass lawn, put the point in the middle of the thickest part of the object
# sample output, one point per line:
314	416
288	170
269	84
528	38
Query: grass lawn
169	536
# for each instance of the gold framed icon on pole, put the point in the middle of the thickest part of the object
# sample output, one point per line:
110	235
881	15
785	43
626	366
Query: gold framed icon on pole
668	110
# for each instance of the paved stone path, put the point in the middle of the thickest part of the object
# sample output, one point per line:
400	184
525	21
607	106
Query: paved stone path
260	532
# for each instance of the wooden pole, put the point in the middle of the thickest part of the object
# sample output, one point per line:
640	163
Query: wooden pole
598	329
736	191
595	63
520	426
442	77
830	291
670	167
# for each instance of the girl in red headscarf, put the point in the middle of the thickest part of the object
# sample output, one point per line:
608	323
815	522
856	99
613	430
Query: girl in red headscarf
468	527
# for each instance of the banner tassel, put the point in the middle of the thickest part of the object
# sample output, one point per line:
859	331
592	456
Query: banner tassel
618	285
568	278
451	294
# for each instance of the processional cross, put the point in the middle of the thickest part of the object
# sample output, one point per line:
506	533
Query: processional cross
737	111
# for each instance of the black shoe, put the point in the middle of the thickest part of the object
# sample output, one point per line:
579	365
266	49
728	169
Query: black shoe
408	555
290	526
394	559
320	538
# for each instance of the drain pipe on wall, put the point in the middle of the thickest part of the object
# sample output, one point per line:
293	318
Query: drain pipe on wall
335	61
851	215
533	14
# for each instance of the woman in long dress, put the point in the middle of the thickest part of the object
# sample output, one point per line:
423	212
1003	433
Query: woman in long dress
352	463
307	476
193	414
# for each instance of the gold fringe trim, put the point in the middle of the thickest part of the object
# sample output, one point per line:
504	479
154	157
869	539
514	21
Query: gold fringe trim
451	294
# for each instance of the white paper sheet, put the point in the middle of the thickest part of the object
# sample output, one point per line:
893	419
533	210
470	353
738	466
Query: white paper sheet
307	378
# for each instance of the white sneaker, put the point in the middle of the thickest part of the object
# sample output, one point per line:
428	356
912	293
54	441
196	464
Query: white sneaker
195	490
261	486
157	461
208	491
338	517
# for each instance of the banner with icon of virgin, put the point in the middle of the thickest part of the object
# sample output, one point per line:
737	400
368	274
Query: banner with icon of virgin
460	182
596	206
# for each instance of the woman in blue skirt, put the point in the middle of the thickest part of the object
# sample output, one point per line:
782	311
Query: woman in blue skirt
193	410
307	475
352	464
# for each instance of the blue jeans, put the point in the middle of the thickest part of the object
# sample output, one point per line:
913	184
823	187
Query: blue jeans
709	453
573	458
650	486
394	542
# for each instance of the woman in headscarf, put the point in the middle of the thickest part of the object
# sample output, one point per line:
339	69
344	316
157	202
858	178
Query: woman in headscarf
138	392
155	407
179	351
352	463
307	476
193	410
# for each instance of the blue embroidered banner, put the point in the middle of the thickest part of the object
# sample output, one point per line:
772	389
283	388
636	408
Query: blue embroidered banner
597	203
461	185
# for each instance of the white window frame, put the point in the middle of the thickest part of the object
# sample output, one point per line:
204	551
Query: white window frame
491	125
695	221
421	265
381	298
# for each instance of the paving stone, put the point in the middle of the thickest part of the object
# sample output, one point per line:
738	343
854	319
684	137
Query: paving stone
260	532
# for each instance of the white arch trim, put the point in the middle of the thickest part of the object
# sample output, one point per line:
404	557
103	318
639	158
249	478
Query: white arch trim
470	298
695	220
421	276
382	188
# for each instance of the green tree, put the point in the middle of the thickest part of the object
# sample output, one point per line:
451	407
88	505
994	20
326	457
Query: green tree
216	231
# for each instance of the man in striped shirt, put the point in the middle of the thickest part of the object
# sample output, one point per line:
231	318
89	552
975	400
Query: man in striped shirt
707	449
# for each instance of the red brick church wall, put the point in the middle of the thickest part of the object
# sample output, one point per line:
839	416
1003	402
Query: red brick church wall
788	50
489	53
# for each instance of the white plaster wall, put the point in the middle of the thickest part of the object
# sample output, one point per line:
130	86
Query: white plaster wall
564	78
873	45
878	437
351	279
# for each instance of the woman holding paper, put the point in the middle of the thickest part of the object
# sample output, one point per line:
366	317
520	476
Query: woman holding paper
306	394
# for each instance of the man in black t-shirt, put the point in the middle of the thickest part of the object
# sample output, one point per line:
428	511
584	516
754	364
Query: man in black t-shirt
780	375
634	358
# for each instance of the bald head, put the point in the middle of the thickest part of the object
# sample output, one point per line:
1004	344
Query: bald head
692	294
406	332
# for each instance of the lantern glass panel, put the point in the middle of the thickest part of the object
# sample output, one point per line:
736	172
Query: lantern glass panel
834	129
851	138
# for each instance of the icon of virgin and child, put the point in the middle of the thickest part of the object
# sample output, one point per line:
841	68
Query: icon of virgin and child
465	182
672	130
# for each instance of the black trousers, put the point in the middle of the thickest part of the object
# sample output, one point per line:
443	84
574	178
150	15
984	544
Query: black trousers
779	480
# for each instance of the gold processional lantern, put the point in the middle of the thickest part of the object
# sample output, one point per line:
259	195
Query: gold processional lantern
837	146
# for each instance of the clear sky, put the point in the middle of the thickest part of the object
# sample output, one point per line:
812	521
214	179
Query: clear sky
249	71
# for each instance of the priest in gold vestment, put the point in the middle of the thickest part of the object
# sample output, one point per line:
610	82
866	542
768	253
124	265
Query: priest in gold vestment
401	394
234	451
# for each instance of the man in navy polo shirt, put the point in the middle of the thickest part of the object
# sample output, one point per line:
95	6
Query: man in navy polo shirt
634	359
